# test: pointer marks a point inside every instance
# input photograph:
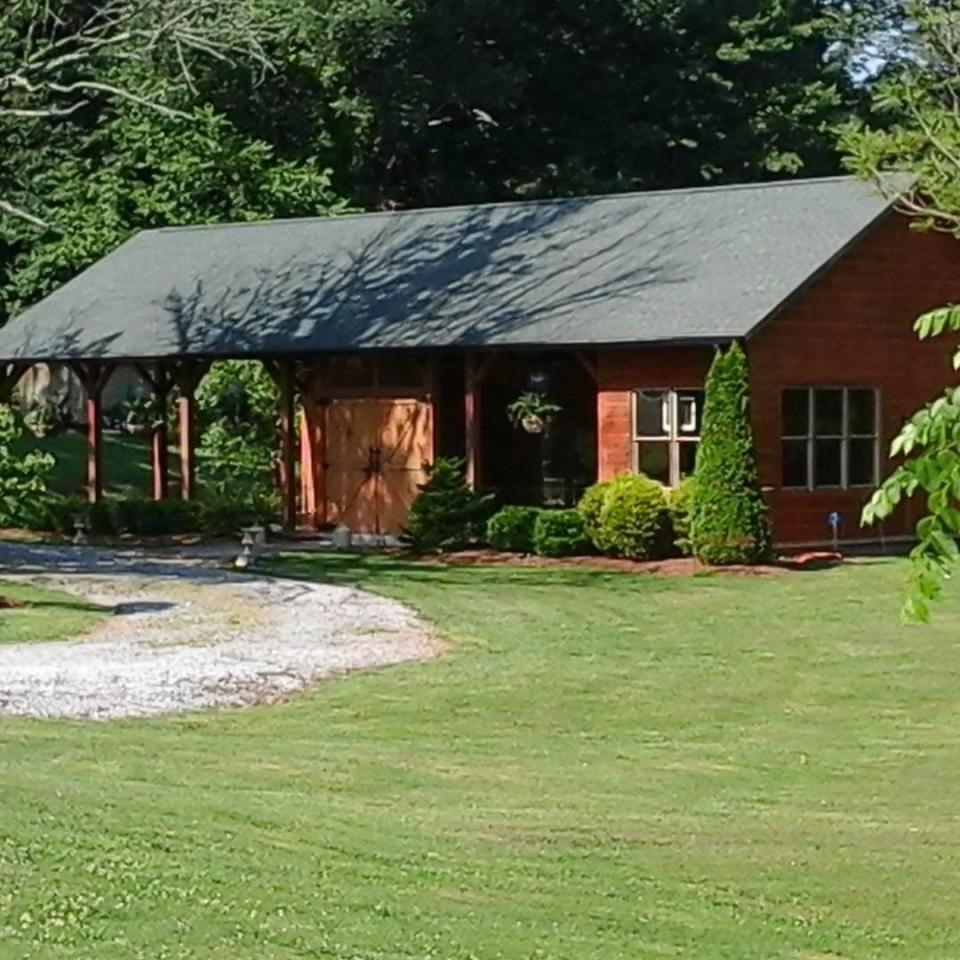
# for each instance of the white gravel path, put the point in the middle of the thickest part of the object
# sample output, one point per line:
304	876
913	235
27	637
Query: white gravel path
188	636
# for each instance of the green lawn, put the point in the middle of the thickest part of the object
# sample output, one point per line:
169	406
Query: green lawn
604	766
126	461
48	615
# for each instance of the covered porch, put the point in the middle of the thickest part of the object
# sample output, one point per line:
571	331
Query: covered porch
358	430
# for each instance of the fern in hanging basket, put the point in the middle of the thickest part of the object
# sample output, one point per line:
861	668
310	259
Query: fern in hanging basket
532	411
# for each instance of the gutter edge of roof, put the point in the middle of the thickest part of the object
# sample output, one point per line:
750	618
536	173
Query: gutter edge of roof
455	348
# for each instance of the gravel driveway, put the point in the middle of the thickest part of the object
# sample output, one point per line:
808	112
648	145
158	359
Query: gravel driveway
187	635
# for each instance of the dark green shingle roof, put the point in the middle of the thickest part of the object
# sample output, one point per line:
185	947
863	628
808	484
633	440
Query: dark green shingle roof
684	265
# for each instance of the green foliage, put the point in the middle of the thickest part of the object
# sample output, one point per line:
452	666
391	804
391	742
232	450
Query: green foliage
560	533
45	417
590	508
23	476
928	444
913	127
237	402
633	520
225	515
241	396
911	124
532	404
680	507
97	187
116	516
141	412
485	100
512	529
447	514
729	522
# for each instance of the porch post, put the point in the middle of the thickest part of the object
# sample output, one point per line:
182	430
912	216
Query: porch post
94	448
188	375
471	410
186	427
158	377
286	380
94	376
475	371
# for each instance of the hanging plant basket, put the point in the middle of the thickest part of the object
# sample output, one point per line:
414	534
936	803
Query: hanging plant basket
532	412
533	423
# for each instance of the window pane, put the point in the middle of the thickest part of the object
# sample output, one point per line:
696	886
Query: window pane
863	413
828	413
653	413
827	461
653	459
863	461
688	458
795	463
690	412
796	413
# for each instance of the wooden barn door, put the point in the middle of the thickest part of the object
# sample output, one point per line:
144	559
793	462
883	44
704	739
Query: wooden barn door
374	459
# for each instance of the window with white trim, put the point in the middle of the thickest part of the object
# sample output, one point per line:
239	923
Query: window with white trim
666	433
831	437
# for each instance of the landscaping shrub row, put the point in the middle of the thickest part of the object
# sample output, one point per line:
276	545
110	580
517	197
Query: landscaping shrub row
116	516
631	517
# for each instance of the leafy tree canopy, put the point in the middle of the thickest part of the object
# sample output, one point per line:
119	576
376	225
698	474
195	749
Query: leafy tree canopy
915	126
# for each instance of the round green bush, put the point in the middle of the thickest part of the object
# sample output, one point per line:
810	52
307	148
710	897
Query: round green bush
560	533
511	528
633	519
589	507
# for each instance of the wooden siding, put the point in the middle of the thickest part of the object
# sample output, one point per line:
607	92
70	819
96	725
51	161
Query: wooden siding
851	327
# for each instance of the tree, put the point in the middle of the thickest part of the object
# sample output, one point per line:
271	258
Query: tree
23	477
60	58
915	127
137	170
474	100
729	522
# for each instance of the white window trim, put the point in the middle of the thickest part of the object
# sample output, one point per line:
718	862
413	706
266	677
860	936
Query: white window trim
673	436
845	437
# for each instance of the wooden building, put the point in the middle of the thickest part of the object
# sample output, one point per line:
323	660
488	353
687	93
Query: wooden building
403	336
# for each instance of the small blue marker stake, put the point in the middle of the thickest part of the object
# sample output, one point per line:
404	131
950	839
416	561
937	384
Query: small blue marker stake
834	519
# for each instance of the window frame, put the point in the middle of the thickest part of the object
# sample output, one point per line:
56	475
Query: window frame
673	437
845	437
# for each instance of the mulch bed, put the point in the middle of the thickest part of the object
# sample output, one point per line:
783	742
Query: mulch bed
676	567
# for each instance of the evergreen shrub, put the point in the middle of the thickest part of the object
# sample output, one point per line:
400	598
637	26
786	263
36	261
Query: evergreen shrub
729	523
447	514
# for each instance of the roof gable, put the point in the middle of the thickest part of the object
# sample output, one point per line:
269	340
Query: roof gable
687	265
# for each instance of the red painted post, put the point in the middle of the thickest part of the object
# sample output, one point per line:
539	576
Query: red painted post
471	399
94	377
94	447
159	451
288	437
187	430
